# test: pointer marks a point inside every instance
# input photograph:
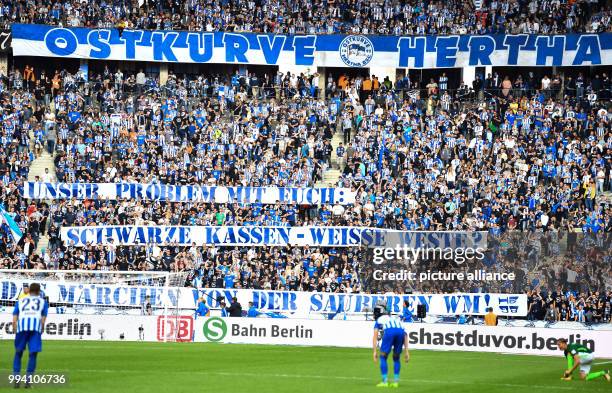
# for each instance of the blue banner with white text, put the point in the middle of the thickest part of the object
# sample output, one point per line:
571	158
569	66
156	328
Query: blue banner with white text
313	50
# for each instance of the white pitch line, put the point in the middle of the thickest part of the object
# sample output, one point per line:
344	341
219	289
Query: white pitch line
601	363
329	377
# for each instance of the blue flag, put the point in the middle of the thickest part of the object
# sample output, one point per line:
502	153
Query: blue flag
13	227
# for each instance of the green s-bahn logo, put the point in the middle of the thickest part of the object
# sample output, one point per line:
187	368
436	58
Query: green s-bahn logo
215	329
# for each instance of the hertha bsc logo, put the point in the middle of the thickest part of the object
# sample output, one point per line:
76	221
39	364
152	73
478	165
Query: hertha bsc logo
356	50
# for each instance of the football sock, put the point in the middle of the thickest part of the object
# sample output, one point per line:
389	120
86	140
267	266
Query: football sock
17	362
594	375
32	363
383	368
570	362
396	368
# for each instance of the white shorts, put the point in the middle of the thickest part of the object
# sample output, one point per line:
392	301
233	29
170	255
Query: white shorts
586	360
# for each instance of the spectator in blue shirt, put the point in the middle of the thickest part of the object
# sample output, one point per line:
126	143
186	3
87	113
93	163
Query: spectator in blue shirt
202	310
406	313
253	312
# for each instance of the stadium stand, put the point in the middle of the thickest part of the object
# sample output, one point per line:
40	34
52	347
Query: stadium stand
321	17
507	153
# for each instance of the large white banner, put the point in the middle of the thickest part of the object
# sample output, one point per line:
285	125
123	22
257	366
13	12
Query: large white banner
445	337
189	193
317	236
289	303
326	50
217	235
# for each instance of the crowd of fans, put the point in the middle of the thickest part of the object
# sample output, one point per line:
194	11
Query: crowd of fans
572	279
502	155
411	17
567	276
556	306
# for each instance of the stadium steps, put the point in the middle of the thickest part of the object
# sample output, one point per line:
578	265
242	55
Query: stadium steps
333	172
37	167
43	243
330	178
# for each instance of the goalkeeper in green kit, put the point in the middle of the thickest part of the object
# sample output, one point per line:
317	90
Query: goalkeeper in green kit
579	356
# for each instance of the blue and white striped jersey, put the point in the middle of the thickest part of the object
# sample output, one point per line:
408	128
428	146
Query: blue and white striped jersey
386	322
30	310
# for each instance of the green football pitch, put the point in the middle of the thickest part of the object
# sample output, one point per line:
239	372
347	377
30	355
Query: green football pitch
193	367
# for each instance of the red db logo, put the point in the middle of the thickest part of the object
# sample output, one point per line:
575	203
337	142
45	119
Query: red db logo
174	328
